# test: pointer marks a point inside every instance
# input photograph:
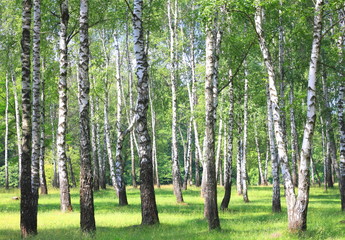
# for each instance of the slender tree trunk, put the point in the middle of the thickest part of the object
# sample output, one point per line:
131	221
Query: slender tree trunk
266	160
312	167
71	172
276	203
210	207
119	162
341	117
43	181
297	205
245	133
294	138
188	155
173	77
218	148
36	118
329	131
325	154
94	145
262	180
281	59
193	102
341	122
6	135
228	163
65	198
55	180
106	118
18	127
221	173
87	218
101	154
28	215
238	163
131	111
154	147
149	211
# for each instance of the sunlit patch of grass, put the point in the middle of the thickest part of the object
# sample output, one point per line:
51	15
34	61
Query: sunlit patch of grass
253	220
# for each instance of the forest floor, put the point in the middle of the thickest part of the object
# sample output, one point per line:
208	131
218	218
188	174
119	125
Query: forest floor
253	220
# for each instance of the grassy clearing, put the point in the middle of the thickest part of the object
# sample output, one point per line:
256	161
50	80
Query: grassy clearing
253	220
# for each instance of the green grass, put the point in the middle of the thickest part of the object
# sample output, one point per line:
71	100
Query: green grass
252	220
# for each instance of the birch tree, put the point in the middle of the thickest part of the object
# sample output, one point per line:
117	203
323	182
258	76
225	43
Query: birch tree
297	206
210	207
28	215
119	162
276	204
6	135
43	181
87	218
245	133
173	77
65	198
18	123
228	163
36	96
149	211
341	115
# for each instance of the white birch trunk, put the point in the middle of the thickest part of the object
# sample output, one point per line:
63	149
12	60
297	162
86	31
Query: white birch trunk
173	77
294	138
218	148
341	106
43	181
149	211
6	135
87	217
297	206
36	97
65	198
276	203
210	207
262	180
18	127
229	147
245	133
94	144
119	162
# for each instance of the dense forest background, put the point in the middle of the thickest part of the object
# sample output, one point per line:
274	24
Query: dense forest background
175	39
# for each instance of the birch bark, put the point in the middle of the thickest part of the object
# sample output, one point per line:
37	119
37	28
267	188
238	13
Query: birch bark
149	211
210	207
43	181
276	203
297	205
18	127
6	134
119	162
36	118
245	133
228	163
173	77
341	115
87	217
65	198
28	215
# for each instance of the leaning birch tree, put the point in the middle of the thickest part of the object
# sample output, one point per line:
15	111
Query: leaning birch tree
297	205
